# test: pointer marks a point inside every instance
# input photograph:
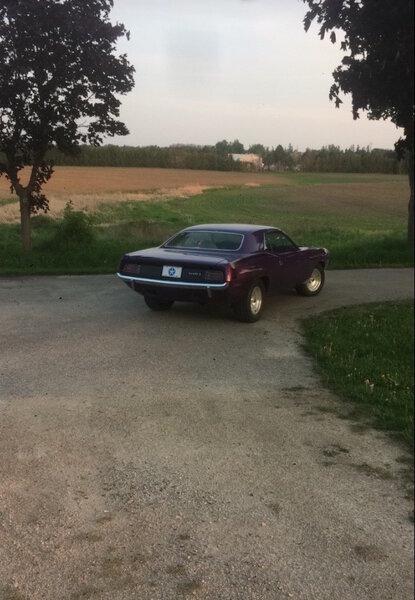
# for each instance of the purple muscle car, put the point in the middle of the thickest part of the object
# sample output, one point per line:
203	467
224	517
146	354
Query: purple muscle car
234	264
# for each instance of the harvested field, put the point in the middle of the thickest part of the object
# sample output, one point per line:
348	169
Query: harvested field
96	180
87	187
343	194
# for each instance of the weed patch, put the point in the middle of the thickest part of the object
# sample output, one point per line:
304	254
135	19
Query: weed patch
366	354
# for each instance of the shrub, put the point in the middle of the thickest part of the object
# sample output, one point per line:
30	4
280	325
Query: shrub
76	228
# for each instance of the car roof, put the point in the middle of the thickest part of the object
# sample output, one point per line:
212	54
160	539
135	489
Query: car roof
229	227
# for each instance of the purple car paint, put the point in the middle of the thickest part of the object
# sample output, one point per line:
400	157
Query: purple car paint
234	264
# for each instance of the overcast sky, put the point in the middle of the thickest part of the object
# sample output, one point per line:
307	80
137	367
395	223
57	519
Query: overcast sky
208	70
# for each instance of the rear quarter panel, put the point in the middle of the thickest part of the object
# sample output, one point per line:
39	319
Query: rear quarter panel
246	270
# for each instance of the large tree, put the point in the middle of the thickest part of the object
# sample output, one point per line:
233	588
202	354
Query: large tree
59	76
377	37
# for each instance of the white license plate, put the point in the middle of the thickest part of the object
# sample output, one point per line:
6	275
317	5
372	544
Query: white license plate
174	272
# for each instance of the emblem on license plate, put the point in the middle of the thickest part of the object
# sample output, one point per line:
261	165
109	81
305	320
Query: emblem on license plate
170	271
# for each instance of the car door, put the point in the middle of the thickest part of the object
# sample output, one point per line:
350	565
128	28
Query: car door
285	260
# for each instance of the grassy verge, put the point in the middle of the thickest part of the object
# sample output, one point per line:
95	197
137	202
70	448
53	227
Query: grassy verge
359	233
366	354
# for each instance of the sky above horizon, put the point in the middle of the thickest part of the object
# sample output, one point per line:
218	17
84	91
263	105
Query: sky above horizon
234	69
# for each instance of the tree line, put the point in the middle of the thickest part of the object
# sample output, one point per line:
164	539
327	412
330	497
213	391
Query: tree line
219	158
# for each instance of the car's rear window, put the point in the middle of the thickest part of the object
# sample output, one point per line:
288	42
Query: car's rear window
216	240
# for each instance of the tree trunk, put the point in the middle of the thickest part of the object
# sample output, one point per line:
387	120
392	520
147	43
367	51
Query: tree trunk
25	222
411	198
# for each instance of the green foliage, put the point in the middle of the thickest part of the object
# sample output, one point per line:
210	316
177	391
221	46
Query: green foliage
5	201
366	354
378	69
55	54
331	159
76	228
257	149
217	158
236	147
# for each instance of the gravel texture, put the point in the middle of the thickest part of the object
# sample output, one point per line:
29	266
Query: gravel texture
186	455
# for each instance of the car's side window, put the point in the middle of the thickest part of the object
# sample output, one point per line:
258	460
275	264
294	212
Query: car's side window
276	242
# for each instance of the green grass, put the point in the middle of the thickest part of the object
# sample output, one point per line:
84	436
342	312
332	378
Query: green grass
99	256
5	201
315	209
335	178
366	354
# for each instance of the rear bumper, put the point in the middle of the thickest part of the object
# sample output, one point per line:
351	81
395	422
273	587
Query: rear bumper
177	290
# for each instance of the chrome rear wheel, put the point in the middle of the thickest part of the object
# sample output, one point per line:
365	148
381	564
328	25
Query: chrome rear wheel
256	300
249	308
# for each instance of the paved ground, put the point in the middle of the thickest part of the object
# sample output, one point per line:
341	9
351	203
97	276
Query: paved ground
183	454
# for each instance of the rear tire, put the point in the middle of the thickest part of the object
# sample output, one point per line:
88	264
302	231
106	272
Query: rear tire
314	284
157	304
249	309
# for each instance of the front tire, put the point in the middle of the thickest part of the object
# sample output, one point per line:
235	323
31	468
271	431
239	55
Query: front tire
249	309
157	304
314	284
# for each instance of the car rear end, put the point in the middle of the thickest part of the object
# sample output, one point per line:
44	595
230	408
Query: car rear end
173	278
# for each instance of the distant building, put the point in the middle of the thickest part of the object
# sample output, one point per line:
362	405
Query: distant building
252	161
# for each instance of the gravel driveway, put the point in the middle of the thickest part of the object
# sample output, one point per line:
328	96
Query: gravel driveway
186	455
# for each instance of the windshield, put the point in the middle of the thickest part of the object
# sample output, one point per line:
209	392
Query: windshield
216	240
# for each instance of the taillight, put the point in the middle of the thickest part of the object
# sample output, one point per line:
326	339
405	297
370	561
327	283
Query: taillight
228	272
132	268
214	276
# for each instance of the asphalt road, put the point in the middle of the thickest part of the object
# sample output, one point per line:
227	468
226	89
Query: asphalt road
184	454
